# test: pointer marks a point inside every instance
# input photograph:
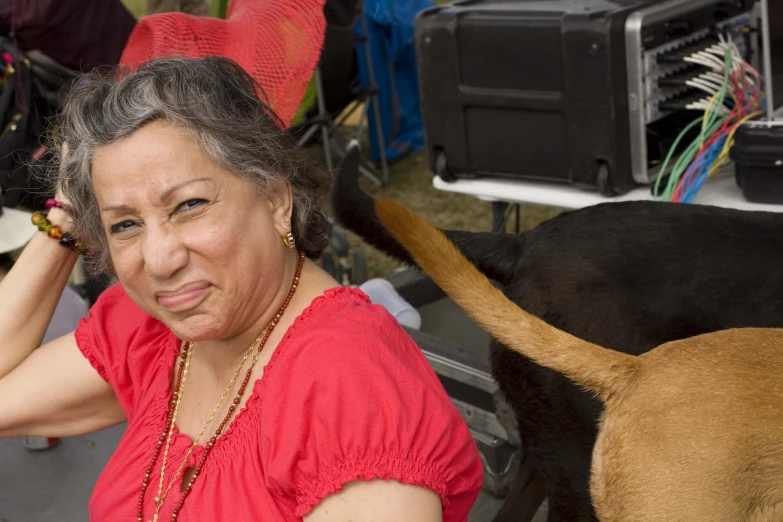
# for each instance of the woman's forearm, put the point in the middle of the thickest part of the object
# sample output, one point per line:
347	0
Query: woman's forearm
29	295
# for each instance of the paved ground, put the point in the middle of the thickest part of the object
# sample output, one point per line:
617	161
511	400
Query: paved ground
55	484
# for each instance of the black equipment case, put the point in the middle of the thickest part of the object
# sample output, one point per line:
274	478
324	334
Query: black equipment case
547	89
758	161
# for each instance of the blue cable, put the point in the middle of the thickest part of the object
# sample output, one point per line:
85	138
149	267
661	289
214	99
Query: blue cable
711	154
706	161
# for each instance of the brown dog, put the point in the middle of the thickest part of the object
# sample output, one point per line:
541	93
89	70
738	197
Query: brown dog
691	431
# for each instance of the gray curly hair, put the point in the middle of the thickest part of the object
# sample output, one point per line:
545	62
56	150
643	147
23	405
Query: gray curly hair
213	99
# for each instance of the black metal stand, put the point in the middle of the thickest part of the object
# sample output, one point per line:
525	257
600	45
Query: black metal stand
500	215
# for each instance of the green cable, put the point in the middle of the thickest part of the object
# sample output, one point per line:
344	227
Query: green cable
685	160
671	152
690	151
714	108
688	157
708	122
709	126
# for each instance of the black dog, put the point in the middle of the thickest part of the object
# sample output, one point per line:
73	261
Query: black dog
627	276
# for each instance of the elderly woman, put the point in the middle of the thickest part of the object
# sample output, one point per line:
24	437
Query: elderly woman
253	386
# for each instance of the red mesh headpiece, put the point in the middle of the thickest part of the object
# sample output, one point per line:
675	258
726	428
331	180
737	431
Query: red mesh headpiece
278	42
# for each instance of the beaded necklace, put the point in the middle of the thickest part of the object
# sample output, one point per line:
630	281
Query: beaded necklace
164	441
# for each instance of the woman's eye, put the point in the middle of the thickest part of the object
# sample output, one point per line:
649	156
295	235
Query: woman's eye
122	226
190	204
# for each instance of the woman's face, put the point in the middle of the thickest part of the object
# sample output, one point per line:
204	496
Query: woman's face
194	245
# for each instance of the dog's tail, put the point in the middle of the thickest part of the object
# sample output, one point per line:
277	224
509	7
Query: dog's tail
495	255
603	371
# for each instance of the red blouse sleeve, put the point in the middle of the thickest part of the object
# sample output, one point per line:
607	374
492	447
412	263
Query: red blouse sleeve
354	398
121	342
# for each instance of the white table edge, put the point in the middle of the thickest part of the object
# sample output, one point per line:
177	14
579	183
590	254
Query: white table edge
721	191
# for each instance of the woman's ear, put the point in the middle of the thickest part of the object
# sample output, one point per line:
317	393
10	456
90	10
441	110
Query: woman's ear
281	202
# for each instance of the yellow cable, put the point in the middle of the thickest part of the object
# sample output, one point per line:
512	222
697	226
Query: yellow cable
724	154
706	117
727	145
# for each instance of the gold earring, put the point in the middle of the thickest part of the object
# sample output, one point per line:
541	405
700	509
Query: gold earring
288	239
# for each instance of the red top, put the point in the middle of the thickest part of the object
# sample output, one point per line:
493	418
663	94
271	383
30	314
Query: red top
346	395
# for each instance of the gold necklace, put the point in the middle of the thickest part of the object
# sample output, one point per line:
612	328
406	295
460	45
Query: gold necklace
160	499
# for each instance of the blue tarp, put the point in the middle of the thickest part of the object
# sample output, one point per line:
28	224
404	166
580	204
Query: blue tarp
390	33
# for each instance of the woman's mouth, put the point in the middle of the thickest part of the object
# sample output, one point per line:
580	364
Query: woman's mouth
184	298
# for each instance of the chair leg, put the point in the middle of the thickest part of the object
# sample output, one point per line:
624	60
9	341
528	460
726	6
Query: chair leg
362	122
311	130
334	142
369	171
374	99
525	497
324	117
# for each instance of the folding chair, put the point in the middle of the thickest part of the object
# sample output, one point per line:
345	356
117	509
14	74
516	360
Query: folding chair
339	93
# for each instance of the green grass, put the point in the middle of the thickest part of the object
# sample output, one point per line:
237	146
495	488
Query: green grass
135	6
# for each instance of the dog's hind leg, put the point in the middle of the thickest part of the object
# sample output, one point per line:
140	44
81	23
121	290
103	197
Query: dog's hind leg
557	422
525	497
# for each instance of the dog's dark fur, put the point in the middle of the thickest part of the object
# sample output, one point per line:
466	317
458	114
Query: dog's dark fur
627	276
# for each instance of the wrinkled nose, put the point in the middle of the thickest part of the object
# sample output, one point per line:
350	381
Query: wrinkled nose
163	252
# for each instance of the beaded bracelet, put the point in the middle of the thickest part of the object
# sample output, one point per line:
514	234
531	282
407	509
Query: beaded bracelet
40	220
53	203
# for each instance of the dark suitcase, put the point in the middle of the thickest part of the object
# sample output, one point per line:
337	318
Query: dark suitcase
559	90
758	161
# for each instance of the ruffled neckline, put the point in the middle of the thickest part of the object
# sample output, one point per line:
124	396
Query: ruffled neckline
246	422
